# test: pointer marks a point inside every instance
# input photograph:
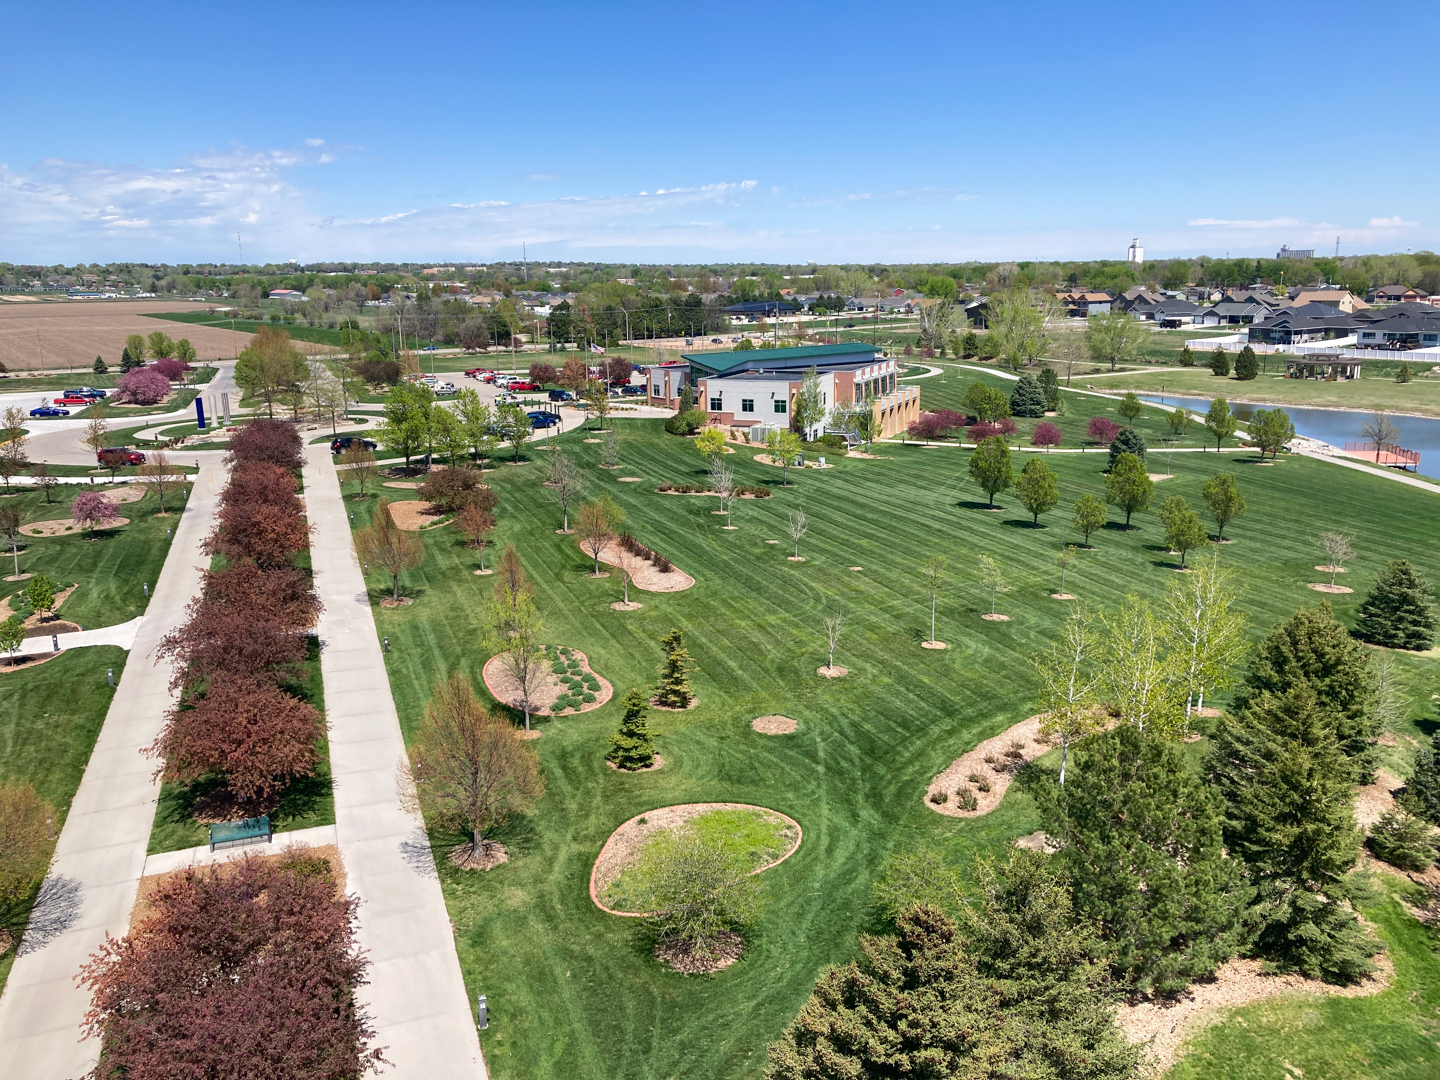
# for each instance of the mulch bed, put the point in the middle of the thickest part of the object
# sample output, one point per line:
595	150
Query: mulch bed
150	885
414	515
1027	733
678	957
1326	587
775	724
64	526
503	687
643	574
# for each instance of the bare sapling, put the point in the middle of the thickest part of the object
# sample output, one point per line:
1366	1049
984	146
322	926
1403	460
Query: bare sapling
1339	549
797	529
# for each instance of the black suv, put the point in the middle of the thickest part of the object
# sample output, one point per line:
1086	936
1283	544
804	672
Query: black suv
341	443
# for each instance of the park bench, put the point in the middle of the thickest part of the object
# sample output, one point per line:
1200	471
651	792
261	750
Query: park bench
235	833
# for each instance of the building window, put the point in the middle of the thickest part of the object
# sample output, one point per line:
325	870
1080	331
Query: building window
747	405
714	404
780	405
655	391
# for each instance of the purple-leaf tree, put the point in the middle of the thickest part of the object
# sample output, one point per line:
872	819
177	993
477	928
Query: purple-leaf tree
142	386
1046	435
91	509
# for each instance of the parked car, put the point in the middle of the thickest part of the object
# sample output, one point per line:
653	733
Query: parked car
479	373
341	443
445	389
131	457
489	376
431	348
543	419
717	341
561	395
506	397
632	391
523	386
86	392
49	410
75	400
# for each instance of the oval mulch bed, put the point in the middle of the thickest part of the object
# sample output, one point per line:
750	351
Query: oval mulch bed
643	574
1326	587
775	724
66	527
623	846
1027	733
503	688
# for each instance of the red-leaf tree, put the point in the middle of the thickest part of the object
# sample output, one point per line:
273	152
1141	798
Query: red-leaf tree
248	732
274	441
542	373
261	482
270	535
173	370
282	596
1046	435
227	639
244	971
1102	430
90	509
985	429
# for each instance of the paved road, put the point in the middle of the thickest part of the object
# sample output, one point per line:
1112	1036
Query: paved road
416	995
101	852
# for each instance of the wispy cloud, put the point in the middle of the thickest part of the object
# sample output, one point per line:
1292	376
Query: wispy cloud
1396	222
1245	223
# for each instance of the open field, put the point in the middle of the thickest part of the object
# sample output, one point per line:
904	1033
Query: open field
575	992
203	322
55	335
1420	395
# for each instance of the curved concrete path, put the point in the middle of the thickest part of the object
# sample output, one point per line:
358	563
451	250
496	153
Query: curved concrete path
415	994
101	852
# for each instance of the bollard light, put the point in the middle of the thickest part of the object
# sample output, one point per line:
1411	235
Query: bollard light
110	677
167	532
387	644
482	1012
54	642
146	586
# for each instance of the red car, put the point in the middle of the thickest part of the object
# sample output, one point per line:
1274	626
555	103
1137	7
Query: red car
132	457
521	386
73	401
478	373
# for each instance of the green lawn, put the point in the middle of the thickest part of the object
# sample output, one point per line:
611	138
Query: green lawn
574	992
21	383
1367	393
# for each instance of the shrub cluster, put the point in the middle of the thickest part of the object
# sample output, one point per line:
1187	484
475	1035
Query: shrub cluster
758	491
634	547
581	686
456	488
940	424
240	652
688	422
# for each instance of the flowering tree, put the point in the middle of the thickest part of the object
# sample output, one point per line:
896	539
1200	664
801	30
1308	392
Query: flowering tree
142	386
1102	430
979	432
1046	435
174	370
91	509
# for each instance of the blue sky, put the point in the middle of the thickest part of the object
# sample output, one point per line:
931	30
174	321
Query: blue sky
670	132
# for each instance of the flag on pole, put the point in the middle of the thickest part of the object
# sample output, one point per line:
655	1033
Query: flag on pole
595	348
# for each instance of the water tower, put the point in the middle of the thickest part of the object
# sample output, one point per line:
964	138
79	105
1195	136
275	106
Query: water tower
1136	254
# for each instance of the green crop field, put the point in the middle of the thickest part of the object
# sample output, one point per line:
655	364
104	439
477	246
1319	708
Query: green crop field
574	992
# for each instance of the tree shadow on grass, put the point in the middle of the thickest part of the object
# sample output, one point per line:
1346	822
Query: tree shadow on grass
966	504
1021	523
1118	526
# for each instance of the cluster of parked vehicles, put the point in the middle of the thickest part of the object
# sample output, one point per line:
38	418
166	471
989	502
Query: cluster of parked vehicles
78	398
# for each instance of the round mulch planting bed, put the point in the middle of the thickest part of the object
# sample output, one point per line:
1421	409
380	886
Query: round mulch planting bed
775	724
18	577
490	855
621	605
414	515
993	617
767	837
675	955
1332	569
566	686
1326	587
482	573
1158	476
391	602
631	479
857	568
1061	596
832	672
408	484
794	558
772	541
933	645
65	526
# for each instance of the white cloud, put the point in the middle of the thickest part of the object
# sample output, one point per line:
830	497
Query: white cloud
746	185
1396	222
1243	223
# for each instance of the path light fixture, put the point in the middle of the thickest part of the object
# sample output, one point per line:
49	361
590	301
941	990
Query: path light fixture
110	677
387	644
54	642
482	1013
146	586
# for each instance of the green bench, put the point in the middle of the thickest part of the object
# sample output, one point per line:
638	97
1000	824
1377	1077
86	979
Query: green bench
235	833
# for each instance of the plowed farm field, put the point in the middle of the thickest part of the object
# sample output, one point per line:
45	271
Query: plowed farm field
53	335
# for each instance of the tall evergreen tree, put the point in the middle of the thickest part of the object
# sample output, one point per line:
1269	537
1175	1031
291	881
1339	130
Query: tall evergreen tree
1028	398
1050	384
1247	364
1312	648
1422	791
1139	835
1289	818
1013	992
633	747
1129	441
675	691
1400	610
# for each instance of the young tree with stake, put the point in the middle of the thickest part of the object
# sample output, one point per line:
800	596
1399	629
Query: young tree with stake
1339	549
10	529
1219	422
1038	488
990	466
991	580
359	465
1128	485
512	631
1090	514
933	573
722	482
389	547
1063	559
783	445
834	626
563	484
596	523
1183	528
477	522
1223	500
797	528
160	476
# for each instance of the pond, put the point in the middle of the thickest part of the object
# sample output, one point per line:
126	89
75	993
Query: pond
1335	426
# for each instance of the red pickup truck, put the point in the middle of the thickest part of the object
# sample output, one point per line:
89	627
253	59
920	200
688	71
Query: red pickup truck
522	386
73	401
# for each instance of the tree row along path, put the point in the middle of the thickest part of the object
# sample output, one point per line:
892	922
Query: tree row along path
415	993
100	855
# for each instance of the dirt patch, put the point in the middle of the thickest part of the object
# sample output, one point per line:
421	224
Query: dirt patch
997	773
66	526
491	854
503	687
832	672
624	845
991	616
621	605
1332	569
1158	476
144	899
408	484
775	724
414	515
123	493
56	626
1239	982
857	569
631	479
1326	587
658	763
933	645
643	574
1372	800
1037	841
390	602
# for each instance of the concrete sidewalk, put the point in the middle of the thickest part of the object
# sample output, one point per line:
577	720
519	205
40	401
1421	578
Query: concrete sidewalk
415	995
101	852
122	634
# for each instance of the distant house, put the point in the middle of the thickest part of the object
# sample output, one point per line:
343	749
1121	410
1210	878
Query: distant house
1231	313
760	309
1397	294
977	312
1171	314
1081	305
1401	330
1137	296
1264	297
1302	325
1342	299
286	294
754	391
